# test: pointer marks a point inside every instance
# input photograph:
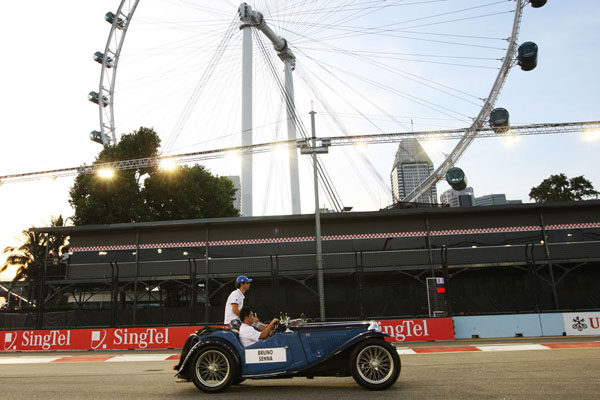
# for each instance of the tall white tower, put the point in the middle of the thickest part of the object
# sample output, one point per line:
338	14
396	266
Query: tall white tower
253	19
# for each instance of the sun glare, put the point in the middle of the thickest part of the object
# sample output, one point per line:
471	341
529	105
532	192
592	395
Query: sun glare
510	140
167	164
591	135
281	151
106	173
360	147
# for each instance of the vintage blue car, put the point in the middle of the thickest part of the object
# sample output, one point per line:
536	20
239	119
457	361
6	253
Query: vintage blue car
357	349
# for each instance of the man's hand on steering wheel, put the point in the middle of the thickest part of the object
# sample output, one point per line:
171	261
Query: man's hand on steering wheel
273	326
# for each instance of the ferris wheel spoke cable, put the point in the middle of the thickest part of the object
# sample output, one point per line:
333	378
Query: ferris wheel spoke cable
360	14
369	31
179	125
409	76
405	74
344	130
425	103
358	173
326	181
198	89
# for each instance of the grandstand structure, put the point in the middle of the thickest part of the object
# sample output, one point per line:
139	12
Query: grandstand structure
497	259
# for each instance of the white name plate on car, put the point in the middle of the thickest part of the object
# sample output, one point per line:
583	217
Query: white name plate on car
259	356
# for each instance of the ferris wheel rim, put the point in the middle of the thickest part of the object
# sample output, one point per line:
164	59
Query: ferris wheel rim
107	129
436	176
478	123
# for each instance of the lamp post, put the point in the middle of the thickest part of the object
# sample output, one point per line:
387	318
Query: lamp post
313	150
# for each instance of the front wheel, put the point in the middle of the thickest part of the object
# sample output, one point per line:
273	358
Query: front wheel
375	364
213	369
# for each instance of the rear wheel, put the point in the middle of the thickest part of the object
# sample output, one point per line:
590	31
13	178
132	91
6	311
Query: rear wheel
213	369
375	364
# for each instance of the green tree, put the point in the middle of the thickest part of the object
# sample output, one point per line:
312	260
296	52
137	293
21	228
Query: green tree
30	256
148	194
188	192
98	200
561	188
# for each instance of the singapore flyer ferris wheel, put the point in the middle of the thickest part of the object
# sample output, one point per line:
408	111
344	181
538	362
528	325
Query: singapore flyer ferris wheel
366	66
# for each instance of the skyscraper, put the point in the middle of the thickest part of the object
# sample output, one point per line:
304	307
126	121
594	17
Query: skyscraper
411	167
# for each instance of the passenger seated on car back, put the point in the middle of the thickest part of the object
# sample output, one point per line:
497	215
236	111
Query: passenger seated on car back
248	334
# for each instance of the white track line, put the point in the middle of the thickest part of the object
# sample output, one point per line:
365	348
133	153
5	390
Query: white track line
139	357
404	351
512	347
27	360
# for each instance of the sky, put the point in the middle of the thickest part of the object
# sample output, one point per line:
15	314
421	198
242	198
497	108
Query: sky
48	71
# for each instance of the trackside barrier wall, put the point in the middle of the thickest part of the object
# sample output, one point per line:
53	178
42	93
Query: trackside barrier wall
496	326
410	330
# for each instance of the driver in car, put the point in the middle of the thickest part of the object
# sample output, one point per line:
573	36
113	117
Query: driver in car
248	334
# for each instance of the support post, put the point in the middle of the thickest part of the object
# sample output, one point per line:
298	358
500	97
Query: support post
291	130
319	261
548	260
429	250
206	275
360	282
41	292
246	119
137	272
444	257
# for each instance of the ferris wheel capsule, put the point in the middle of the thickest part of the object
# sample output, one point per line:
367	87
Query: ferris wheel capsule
527	56
96	136
94	98
537	3
99	58
456	179
499	120
110	17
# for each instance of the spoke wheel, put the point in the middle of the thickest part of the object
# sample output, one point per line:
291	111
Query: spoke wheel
375	365
213	369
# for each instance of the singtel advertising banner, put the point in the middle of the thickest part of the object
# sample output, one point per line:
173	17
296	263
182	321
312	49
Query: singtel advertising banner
418	330
408	330
583	323
96	339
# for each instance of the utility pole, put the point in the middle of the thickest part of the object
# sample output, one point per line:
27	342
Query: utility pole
314	150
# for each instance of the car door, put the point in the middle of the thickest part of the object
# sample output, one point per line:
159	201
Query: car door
279	353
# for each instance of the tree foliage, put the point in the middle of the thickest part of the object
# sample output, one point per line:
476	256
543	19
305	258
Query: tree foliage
30	256
148	194
561	188
188	192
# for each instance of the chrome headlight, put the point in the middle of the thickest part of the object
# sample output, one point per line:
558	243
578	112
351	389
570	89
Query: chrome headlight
374	326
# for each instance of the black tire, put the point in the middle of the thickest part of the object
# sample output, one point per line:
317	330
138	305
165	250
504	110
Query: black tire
375	364
213	368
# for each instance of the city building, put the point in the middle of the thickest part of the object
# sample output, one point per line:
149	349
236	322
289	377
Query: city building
493	200
411	167
461	198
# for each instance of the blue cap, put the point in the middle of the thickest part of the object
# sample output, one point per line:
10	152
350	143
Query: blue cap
243	279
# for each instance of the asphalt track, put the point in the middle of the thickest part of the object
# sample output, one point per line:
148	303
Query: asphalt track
547	374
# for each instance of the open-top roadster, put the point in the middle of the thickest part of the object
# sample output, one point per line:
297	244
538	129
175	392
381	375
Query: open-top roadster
357	349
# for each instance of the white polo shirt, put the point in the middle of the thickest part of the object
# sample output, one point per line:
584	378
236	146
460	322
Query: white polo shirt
248	335
236	297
